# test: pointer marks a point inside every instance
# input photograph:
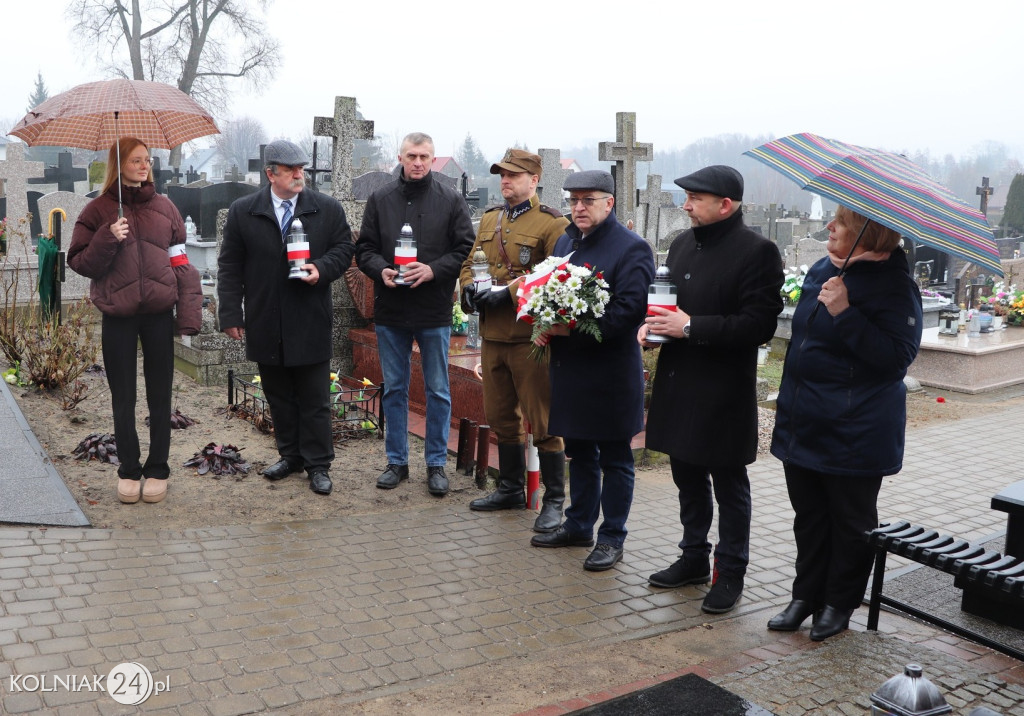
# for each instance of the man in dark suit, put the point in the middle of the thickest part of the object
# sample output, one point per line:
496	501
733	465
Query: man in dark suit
287	321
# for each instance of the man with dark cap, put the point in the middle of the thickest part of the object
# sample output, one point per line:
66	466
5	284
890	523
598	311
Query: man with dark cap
703	410
597	386
515	237
286	323
420	307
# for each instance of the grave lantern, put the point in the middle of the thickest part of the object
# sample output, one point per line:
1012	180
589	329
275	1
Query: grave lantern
949	321
298	250
908	694
481	282
405	253
661	293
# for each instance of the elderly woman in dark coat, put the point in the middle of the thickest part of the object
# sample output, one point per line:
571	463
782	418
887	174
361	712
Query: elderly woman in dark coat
597	387
841	413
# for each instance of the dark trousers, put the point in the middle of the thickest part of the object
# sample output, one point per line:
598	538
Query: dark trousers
121	336
589	496
696	510
300	406
833	560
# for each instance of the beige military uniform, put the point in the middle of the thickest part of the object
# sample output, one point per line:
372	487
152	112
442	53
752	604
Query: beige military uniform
512	379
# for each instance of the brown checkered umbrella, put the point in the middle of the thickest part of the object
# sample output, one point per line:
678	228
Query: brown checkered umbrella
160	115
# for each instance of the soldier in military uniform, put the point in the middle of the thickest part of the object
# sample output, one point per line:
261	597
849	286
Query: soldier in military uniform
515	237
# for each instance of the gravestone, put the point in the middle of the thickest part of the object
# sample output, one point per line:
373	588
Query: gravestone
625	151
234	175
805	252
215	197
64	174
186	199
160	176
552	178
75	285
191	176
257	165
363	186
176	177
649	202
344	128
15	173
984	191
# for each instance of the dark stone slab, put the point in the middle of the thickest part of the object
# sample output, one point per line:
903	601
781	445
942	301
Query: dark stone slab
686	694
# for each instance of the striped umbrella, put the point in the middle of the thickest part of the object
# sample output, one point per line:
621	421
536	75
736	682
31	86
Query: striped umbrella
94	115
887	188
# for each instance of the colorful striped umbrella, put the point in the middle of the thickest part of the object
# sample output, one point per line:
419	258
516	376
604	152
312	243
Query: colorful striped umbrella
94	115
886	188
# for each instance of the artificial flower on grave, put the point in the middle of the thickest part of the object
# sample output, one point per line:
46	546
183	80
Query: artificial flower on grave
459	318
561	293
793	283
1002	298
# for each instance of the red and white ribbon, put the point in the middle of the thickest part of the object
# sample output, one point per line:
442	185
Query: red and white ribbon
178	255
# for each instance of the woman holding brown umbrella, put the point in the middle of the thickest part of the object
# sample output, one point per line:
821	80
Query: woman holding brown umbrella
139	273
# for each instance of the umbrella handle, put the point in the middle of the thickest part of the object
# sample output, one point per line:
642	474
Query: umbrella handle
117	145
842	271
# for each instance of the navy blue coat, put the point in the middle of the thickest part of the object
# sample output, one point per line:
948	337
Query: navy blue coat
704	402
597	388
842	407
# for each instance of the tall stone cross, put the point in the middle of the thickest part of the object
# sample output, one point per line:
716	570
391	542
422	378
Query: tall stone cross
552	177
625	151
984	191
648	209
256	165
344	128
15	173
64	175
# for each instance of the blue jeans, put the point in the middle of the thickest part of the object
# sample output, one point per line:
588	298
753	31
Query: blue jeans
589	496
394	346
696	510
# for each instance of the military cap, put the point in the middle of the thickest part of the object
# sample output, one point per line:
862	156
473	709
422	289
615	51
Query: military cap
590	180
518	160
718	179
281	151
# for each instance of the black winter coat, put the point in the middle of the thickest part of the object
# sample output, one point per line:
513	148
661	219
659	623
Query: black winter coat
287	322
440	222
842	407
704	404
597	388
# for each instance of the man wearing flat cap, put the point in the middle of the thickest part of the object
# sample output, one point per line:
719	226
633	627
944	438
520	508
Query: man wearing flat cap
286	322
597	386
515	237
703	410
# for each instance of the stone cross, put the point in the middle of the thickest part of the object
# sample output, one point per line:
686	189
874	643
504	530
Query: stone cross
234	175
15	173
625	151
984	191
552	176
344	128
64	175
161	176
191	175
648	209
176	176
257	165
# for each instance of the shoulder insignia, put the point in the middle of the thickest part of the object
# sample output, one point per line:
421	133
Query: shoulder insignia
549	210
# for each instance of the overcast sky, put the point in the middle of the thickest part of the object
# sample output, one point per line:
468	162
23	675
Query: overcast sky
897	74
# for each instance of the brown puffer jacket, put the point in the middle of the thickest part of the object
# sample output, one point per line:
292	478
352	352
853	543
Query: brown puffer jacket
135	276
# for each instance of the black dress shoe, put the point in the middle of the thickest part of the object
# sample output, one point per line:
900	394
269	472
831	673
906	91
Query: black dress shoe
604	556
437	481
320	482
790	618
561	538
831	622
281	469
393	475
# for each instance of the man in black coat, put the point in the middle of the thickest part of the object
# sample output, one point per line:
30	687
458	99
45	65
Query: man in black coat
286	322
703	410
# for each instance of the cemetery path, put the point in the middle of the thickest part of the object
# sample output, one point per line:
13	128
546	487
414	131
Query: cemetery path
212	501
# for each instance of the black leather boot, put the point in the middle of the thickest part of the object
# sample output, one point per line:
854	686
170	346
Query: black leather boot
552	475
511	492
790	618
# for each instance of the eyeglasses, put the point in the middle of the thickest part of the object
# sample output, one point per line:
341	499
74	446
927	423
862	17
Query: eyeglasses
148	161
586	200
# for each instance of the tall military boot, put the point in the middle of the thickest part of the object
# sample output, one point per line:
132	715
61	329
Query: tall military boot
511	492
552	474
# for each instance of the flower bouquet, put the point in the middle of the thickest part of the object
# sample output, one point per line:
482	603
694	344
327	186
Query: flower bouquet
558	292
793	284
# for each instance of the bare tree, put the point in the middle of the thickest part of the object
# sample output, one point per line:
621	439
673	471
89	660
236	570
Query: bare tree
196	45
239	141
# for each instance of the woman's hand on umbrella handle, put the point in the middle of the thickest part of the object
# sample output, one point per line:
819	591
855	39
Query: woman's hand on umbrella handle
120	229
834	296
